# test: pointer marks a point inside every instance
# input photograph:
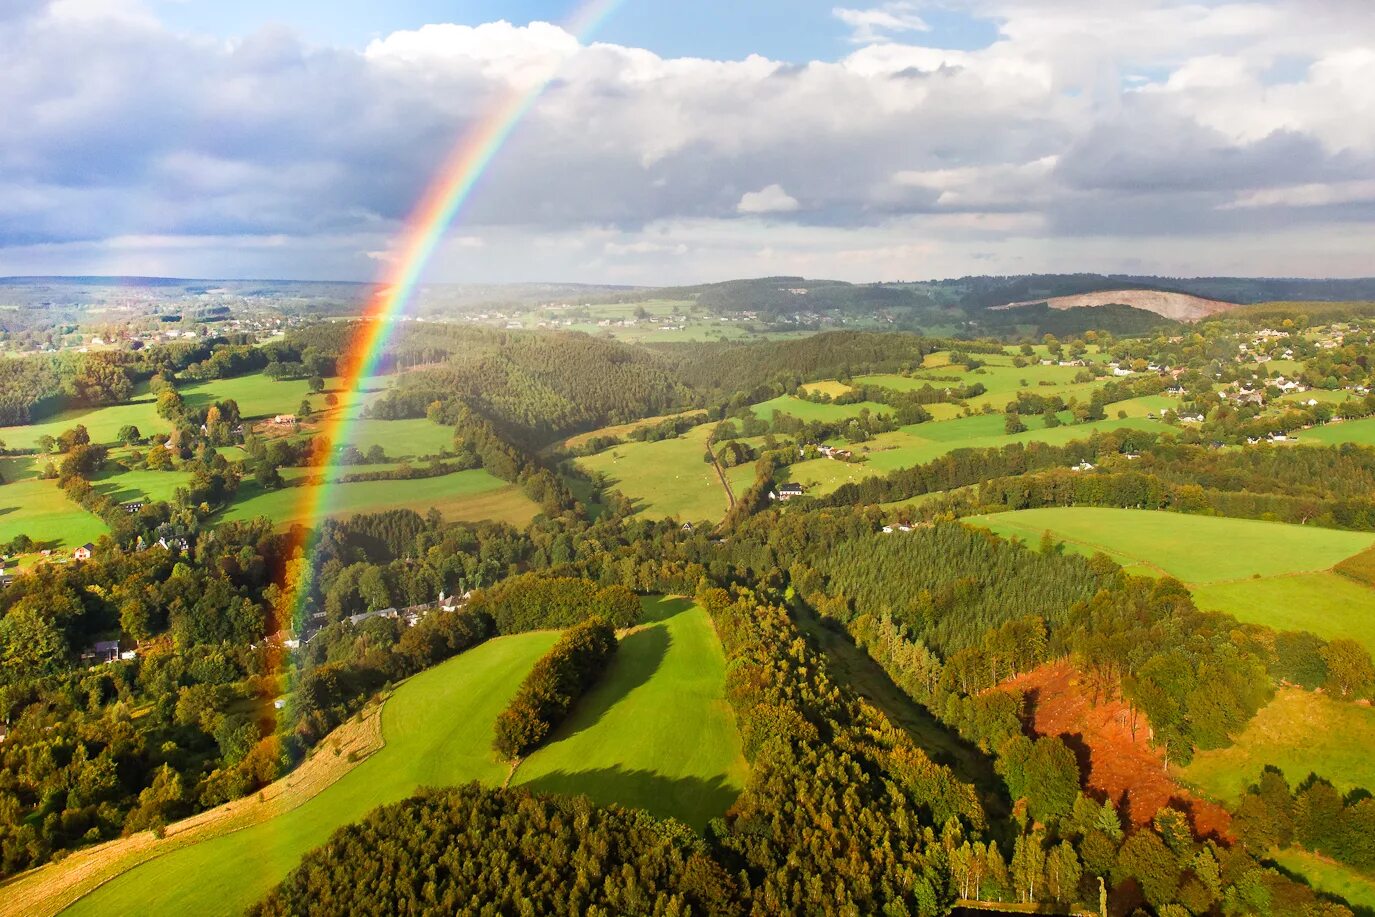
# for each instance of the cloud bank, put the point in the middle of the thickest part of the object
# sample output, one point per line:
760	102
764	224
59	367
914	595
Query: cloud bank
1143	136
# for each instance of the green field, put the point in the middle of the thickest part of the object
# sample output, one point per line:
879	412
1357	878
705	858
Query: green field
1195	549
257	396
1330	877
666	478
409	438
810	410
662	701
1262	572
1361	432
932	440
657	732
467	496
124	485
1300	732
42	511
1327	604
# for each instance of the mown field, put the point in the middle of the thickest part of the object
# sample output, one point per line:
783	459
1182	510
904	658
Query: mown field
1263	572
40	510
656	732
466	496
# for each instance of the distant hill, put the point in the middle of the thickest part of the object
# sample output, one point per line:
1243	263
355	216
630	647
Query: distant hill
1178	306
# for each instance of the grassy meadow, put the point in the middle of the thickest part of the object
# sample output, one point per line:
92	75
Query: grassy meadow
655	732
1262	572
1329	877
256	394
666	478
1300	732
466	496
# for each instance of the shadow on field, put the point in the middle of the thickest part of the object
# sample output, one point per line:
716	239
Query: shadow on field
692	800
637	659
663	608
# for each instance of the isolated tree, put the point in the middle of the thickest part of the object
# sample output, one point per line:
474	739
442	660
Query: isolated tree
129	435
170	404
1349	669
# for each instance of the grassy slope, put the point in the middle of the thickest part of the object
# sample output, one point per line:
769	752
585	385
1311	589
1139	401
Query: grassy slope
1327	604
257	396
1300	732
667	478
808	410
655	732
43	512
1360	431
1330	877
462	496
1195	549
920	443
438	730
1220	559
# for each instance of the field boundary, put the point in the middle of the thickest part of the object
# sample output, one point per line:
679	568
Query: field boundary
52	888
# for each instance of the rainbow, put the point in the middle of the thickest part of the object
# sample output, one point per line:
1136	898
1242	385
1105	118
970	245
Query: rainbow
437	208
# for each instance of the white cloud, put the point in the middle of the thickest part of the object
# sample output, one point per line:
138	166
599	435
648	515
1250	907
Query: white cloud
772	199
881	22
1081	128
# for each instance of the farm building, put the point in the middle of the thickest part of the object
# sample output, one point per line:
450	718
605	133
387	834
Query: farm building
284	419
789	490
84	552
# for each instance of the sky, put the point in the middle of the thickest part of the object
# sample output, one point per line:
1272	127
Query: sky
688	142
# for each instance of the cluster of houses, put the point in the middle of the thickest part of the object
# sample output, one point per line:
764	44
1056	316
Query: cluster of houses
411	615
830	452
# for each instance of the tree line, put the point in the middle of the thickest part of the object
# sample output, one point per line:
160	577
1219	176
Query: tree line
559	678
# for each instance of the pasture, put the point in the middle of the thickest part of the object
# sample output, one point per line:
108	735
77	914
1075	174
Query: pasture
1260	572
655	731
256	394
1300	732
1361	432
39	509
670	477
920	443
465	496
810	410
1329	877
1194	549
1326	604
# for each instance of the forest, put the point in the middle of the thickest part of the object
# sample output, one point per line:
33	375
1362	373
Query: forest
841	617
